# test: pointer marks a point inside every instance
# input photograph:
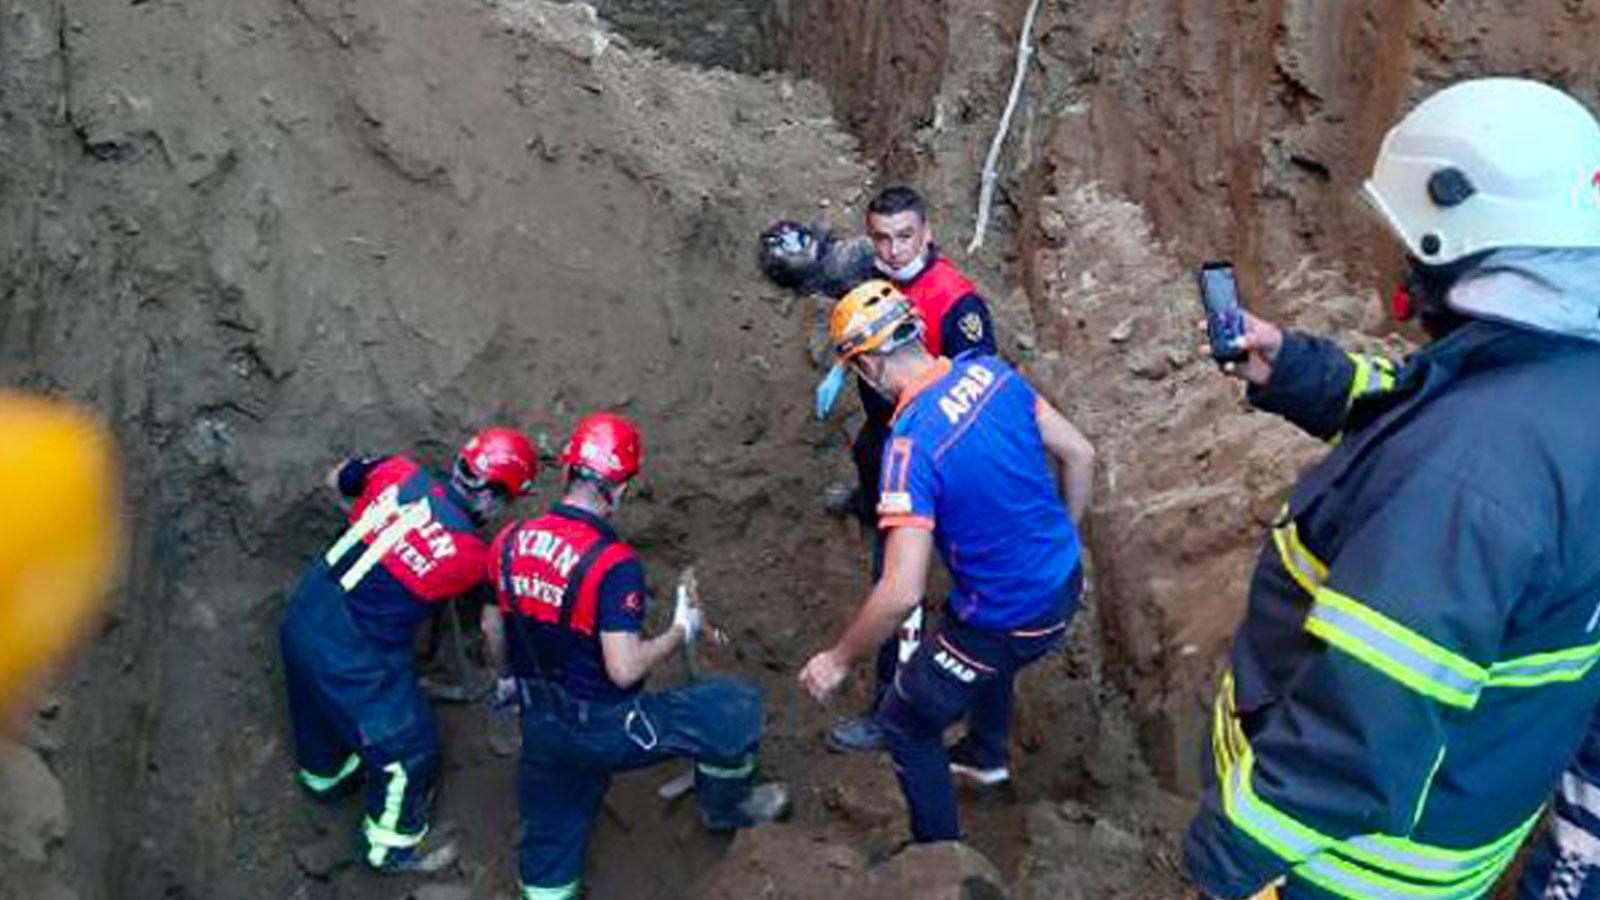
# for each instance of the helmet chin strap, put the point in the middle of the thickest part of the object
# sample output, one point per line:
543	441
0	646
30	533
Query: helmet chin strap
1424	292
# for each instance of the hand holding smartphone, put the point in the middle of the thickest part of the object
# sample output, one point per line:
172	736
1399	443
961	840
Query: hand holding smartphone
1225	323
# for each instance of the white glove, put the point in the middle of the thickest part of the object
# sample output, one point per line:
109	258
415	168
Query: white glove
504	695
687	616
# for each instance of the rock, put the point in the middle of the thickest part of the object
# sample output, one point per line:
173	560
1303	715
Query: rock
1114	839
1122	331
1151	367
870	798
570	28
782	862
320	859
33	808
944	871
112	124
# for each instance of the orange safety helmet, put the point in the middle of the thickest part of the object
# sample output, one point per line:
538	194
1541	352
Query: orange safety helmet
58	540
873	318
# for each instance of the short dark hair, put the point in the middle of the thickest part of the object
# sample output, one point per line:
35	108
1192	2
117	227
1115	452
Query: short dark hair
898	199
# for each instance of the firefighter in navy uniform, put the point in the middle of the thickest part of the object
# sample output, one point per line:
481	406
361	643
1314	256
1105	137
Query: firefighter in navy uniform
567	626
347	636
1416	665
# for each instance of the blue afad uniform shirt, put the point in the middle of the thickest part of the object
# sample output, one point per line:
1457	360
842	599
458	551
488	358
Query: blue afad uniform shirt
1417	663
965	460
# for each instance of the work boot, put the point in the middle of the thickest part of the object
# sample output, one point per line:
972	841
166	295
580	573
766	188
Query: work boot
857	734
432	854
766	802
964	765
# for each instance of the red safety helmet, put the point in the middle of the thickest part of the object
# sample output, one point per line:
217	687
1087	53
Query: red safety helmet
500	456
605	445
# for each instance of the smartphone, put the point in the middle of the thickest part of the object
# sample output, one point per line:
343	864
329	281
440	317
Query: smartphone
1224	318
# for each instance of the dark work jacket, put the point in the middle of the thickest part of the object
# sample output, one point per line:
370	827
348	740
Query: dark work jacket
1416	664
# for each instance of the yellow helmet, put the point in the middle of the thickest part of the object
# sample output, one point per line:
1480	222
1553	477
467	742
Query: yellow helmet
870	319
58	539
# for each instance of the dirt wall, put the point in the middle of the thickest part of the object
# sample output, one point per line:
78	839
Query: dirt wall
1237	130
256	235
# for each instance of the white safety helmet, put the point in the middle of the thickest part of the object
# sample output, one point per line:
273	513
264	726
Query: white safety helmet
1487	164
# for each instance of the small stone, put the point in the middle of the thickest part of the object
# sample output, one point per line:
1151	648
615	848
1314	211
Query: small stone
1122	332
33	807
1115	839
320	859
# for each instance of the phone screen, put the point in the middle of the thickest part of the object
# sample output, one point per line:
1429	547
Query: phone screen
1224	318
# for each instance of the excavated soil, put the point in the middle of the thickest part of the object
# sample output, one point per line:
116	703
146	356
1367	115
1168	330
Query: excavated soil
259	234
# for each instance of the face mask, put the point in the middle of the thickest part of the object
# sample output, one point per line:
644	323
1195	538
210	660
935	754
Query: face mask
906	272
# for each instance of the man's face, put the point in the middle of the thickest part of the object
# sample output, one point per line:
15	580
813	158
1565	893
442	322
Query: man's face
898	239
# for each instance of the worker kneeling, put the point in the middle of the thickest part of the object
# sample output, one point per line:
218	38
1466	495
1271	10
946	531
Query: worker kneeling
967	469
575	596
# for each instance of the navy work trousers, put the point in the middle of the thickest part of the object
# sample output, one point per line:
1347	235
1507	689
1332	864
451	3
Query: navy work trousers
960	671
571	747
355	705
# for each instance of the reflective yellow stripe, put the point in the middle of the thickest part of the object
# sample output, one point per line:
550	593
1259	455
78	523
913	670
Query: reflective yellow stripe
1303	566
412	517
1362	867
1551	667
321	784
1396	651
560	892
743	770
1361	378
384	834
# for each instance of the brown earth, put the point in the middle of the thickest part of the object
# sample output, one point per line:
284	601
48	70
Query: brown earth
258	234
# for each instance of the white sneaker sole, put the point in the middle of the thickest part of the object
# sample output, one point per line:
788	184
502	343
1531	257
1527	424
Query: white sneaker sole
984	777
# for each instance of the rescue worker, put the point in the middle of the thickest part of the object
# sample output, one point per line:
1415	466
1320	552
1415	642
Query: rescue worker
347	636
956	322
58	540
969	469
1416	663
568	626
1565	861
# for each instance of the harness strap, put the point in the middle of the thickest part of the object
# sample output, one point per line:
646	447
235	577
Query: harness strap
553	669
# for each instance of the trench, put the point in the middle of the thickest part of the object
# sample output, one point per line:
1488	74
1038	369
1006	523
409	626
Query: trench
256	235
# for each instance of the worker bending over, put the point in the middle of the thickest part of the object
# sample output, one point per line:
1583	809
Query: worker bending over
412	542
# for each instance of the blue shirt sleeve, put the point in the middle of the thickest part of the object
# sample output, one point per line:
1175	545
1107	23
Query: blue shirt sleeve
909	486
622	597
353	474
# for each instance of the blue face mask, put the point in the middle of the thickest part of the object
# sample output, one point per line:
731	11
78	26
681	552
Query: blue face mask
828	390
